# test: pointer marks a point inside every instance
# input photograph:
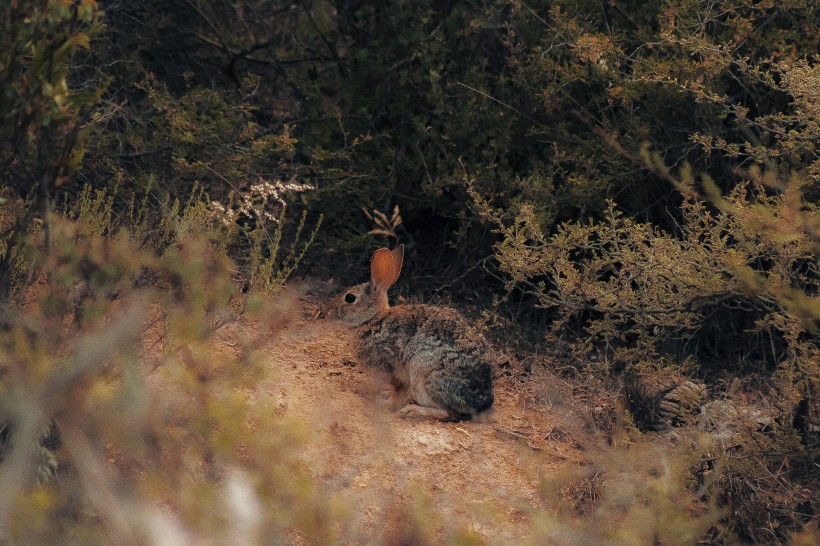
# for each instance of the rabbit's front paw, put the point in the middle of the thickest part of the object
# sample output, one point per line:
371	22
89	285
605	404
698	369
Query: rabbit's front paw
414	411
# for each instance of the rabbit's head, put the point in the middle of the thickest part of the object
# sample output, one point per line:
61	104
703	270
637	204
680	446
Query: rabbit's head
362	302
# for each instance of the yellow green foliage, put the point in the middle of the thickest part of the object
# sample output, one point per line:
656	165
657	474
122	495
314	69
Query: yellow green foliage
647	299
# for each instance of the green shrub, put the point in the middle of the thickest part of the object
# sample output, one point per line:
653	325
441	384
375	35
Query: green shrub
41	128
726	290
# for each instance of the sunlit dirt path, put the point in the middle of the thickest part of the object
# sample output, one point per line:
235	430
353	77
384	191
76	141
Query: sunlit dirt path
383	471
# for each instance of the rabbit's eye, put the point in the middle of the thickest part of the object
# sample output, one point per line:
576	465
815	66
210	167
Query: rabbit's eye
350	297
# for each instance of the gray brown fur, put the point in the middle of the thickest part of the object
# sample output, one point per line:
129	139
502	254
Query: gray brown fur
438	365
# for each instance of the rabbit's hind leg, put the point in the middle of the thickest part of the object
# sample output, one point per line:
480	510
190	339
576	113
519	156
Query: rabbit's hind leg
420	405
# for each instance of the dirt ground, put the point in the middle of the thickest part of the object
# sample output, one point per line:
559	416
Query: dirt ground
482	478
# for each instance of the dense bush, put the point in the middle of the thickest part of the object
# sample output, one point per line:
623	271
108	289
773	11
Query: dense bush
546	104
726	291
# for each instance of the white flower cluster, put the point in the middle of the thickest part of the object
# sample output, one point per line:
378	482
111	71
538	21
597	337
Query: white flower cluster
264	200
219	213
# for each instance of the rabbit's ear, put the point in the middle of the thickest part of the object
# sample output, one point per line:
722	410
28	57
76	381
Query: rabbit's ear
398	258
382	269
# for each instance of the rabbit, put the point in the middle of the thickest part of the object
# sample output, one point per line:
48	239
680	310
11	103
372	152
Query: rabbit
439	366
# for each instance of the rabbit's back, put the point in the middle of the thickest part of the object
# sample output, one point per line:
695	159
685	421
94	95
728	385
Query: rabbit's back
434	352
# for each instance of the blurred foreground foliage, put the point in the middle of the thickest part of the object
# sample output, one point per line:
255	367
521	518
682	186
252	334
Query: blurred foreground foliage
111	351
644	177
